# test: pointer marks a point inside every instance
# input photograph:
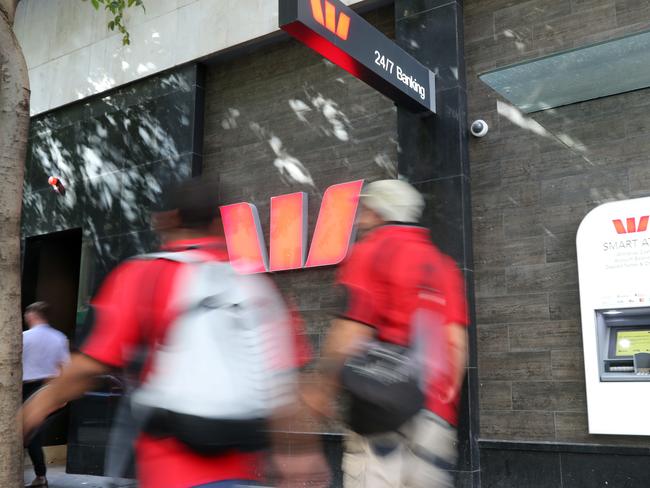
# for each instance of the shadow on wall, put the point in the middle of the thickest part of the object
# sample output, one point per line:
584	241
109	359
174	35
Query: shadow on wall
114	155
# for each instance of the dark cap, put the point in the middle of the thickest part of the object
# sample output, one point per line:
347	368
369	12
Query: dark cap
196	201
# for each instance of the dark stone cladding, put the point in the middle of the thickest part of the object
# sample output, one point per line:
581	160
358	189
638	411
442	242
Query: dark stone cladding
115	153
534	178
506	464
434	157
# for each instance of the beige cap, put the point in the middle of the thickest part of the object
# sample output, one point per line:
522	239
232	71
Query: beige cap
393	200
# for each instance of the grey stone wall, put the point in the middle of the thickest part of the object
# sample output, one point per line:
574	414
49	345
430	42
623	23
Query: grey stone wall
529	194
283	120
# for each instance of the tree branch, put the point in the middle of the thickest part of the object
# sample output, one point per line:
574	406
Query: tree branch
14	129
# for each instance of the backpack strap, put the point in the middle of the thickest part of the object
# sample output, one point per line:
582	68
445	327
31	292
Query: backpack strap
185	257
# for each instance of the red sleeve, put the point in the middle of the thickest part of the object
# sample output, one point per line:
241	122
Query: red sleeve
454	290
355	278
116	328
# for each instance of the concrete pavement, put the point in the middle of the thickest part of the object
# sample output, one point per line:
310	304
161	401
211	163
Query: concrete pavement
58	478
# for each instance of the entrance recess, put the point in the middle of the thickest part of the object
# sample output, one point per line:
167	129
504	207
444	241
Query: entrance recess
51	273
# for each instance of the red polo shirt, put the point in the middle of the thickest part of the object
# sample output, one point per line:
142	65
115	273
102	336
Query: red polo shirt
394	271
125	318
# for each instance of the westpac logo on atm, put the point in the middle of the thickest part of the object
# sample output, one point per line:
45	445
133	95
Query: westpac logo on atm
632	225
628	228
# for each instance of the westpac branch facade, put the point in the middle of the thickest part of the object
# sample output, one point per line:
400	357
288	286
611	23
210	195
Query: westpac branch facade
215	88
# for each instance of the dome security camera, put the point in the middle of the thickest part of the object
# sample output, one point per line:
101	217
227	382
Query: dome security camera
479	128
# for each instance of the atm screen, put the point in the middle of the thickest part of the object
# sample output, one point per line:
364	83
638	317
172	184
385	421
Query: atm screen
630	342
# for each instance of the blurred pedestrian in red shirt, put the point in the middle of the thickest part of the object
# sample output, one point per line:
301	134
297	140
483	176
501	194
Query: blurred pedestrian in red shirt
137	305
392	275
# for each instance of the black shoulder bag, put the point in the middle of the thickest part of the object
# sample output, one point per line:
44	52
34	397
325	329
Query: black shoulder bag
383	387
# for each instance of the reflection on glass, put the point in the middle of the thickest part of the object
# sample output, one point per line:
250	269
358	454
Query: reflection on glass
114	154
586	73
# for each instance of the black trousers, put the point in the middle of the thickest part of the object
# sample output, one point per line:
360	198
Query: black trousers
35	446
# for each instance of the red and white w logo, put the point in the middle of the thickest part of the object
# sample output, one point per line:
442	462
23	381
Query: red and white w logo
327	17
631	225
288	231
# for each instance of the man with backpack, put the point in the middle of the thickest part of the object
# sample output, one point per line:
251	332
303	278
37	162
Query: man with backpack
219	379
398	348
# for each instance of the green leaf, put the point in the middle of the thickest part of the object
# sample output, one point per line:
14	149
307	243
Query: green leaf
117	8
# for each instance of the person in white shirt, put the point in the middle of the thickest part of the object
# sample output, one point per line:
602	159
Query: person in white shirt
45	351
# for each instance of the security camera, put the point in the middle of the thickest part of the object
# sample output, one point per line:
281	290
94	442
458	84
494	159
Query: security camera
479	128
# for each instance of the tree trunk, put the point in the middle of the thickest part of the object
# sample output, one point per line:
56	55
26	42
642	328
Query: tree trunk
14	126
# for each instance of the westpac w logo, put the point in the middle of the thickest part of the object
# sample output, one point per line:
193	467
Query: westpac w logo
288	231
631	226
327	17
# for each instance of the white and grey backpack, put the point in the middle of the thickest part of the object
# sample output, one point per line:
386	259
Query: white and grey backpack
226	363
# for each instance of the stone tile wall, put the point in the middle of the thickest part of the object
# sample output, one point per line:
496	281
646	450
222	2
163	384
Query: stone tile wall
529	194
282	120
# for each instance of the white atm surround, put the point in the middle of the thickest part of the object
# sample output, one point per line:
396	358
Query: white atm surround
614	273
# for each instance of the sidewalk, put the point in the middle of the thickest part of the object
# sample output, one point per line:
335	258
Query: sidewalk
58	478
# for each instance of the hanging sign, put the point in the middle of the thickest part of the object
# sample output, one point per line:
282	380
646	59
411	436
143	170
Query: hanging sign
341	35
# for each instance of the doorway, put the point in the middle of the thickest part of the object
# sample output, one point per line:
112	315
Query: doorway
51	265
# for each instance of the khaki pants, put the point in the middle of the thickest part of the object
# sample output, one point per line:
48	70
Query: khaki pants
421	455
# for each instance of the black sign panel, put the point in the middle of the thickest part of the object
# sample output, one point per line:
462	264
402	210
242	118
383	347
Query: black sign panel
341	35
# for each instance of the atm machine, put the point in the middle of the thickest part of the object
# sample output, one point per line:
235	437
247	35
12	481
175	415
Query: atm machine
613	249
